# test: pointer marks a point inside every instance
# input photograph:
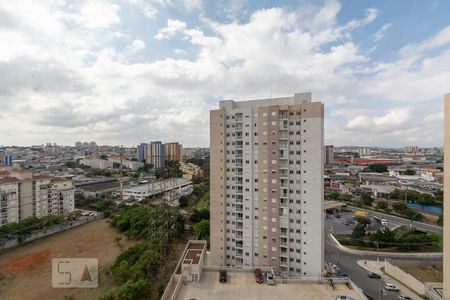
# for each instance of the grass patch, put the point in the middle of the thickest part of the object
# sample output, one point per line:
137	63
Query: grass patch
203	202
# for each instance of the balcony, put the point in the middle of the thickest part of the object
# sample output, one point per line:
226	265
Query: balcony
283	136
283	125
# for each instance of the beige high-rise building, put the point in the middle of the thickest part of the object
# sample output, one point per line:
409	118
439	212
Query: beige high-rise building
447	199
23	195
266	175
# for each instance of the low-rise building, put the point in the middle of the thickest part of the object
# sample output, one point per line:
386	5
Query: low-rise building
190	170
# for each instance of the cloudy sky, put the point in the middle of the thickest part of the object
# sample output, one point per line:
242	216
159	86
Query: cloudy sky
128	71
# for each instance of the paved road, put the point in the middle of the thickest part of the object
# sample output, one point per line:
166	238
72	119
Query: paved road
402	221
348	262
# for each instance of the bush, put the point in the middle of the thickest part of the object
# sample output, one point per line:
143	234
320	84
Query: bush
359	231
382	205
202	229
198	215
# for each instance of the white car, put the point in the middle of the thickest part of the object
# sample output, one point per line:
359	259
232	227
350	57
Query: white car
384	222
391	287
270	279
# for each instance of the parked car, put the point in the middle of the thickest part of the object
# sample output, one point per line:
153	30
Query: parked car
337	215
384	222
373	275
340	297
259	277
270	278
391	287
223	276
347	222
404	297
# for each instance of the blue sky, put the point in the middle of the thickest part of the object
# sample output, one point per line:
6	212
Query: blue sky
127	71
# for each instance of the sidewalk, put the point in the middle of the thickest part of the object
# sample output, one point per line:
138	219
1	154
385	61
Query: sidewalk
382	254
374	266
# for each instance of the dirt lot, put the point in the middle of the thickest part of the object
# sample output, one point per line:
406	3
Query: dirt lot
25	272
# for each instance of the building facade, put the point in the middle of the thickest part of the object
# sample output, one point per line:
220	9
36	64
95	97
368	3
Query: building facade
446	258
172	151
24	195
329	154
266	179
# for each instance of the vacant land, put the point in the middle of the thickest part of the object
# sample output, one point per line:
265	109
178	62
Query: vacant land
25	272
426	273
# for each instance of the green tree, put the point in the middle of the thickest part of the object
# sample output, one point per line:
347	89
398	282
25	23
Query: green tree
377	168
409	172
366	199
198	215
362	220
104	157
440	220
134	290
202	229
359	231
71	164
183	201
382	205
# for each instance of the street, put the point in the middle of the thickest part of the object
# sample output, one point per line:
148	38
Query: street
348	262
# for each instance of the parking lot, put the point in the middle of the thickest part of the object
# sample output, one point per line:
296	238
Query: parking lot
242	285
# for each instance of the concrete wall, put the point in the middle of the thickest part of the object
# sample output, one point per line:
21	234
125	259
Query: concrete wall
11	243
447	199
405	278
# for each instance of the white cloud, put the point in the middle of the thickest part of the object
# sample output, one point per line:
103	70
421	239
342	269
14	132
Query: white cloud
80	85
98	14
180	52
380	33
147	9
173	26
186	4
136	46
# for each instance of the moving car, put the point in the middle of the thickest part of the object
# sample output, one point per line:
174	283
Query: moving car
404	297
373	275
391	287
270	278
259	277
223	276
384	222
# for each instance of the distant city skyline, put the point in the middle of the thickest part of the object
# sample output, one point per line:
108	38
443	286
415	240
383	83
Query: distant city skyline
115	71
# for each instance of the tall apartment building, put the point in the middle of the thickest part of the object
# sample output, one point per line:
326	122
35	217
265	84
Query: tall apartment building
411	149
172	151
266	179
363	151
23	195
153	153
329	154
446	279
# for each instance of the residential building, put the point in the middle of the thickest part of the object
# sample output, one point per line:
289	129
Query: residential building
141	152
97	163
155	154
24	195
191	171
7	160
172	151
329	154
446	254
363	152
266	179
411	149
